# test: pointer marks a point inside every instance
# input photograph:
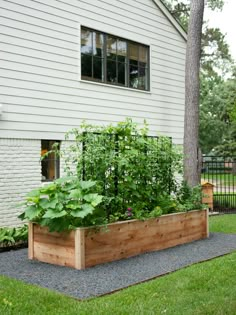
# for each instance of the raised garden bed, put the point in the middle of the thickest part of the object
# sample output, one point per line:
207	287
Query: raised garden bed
86	247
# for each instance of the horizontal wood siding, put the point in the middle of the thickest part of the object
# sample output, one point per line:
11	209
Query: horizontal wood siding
40	86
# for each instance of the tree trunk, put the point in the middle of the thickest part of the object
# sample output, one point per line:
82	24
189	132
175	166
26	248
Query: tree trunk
192	86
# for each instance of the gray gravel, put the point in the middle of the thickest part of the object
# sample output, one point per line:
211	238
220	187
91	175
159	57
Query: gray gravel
113	276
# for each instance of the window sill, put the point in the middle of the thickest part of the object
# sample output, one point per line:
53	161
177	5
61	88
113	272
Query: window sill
114	86
45	183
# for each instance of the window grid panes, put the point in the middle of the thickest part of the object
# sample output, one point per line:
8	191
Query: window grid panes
113	60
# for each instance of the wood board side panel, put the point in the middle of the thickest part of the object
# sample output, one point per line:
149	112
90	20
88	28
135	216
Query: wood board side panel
54	248
135	237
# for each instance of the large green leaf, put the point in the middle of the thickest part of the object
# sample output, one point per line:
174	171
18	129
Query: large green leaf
43	203
73	206
76	193
94	199
66	179
34	199
32	212
87	184
34	193
52	214
86	209
52	204
48	188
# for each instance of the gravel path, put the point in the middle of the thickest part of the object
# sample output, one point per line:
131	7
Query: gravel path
113	276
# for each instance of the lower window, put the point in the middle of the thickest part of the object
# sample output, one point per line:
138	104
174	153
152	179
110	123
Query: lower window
51	163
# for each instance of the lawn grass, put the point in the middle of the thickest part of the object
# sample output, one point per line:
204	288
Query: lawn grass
225	223
206	288
223	179
201	289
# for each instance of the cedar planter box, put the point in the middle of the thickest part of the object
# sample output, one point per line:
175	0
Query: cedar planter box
86	247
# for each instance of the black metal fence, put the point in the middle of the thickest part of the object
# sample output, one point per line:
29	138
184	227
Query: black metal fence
221	172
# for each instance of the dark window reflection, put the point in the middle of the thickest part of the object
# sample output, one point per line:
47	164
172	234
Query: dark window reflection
122	74
86	65
106	58
98	68
111	71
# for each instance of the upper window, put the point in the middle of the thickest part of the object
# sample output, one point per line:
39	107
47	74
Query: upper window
50	164
113	60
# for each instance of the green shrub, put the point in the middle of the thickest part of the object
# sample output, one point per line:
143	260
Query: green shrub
131	168
10	236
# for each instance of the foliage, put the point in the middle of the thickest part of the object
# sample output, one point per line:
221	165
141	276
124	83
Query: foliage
189	198
131	168
121	169
216	62
215	50
216	101
65	204
11	236
227	97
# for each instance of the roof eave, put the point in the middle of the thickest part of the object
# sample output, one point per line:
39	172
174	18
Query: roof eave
173	21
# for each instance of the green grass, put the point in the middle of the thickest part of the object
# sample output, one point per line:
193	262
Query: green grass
201	289
223	223
223	179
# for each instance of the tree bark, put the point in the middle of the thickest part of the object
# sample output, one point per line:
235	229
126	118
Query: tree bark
192	87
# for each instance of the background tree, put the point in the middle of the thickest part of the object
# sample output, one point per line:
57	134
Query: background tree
192	89
214	115
216	65
227	147
215	50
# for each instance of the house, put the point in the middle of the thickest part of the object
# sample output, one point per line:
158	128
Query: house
67	61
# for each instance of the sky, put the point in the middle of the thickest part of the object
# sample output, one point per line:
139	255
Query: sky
226	21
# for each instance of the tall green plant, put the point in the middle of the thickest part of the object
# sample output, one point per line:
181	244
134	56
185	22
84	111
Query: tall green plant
130	167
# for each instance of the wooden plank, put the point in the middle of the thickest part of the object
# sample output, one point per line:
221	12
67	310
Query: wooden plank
79	249
54	254
126	239
53	247
87	247
31	240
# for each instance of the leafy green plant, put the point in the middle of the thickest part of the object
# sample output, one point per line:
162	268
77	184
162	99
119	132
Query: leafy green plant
129	166
113	173
65	204
10	236
189	198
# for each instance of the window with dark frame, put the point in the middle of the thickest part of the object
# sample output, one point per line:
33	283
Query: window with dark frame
50	164
113	60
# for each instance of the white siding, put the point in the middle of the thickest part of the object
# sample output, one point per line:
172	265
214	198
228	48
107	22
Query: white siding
40	87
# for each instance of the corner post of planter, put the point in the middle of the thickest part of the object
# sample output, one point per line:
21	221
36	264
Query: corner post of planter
206	218
79	249
31	240
207	223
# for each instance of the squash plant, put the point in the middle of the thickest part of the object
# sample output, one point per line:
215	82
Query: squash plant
65	204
